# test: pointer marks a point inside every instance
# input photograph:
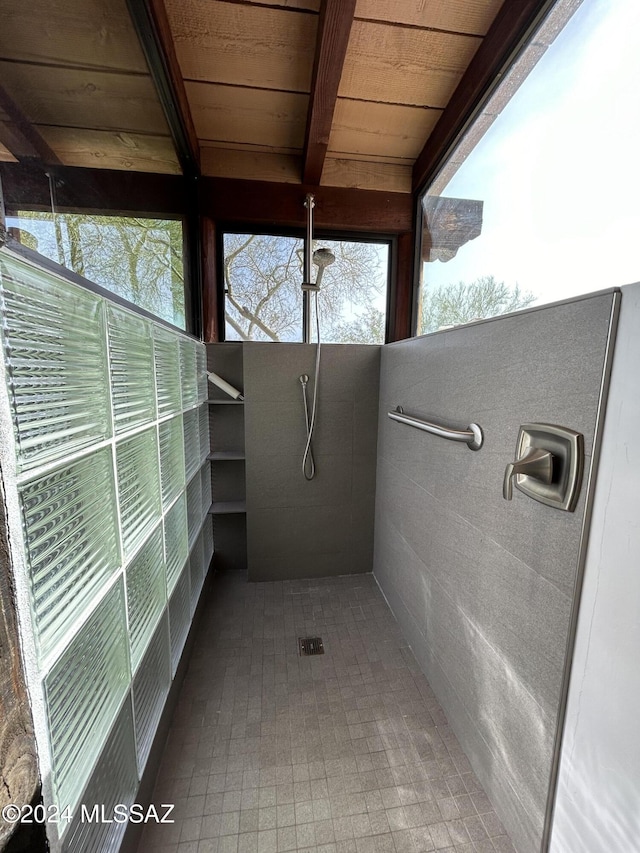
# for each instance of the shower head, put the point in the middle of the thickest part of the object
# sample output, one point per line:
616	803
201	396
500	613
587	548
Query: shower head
323	258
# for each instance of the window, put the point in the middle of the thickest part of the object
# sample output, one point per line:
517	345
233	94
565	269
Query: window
137	258
263	295
544	206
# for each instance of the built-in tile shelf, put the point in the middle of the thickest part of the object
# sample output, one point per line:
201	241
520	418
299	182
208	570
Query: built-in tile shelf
227	507
227	458
225	455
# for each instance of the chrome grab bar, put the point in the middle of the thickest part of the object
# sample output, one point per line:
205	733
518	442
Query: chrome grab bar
472	436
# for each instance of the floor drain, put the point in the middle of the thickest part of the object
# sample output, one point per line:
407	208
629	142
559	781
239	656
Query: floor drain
311	645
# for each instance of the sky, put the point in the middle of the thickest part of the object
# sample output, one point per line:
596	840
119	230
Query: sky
559	171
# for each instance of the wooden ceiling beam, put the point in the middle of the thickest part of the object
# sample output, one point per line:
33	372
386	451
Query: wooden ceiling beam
262	204
154	32
20	136
93	191
513	24
334	27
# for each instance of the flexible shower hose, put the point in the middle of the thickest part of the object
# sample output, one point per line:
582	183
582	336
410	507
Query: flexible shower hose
308	464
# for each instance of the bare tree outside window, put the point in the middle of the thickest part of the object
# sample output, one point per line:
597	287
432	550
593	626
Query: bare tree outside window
140	259
263	278
463	303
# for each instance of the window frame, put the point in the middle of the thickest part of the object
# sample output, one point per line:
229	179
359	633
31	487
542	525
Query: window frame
493	74
279	230
64	272
191	326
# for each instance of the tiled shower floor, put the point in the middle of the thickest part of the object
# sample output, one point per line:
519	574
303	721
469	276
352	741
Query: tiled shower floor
346	752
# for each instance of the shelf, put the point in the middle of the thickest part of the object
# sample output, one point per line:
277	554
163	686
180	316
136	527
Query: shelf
227	507
225	402
225	455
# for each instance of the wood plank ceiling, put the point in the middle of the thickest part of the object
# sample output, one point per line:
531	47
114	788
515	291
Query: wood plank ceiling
248	71
342	92
75	72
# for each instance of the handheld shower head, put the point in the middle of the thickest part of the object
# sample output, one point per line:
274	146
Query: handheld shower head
323	258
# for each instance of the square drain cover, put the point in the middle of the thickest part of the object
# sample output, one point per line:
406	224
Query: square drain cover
311	645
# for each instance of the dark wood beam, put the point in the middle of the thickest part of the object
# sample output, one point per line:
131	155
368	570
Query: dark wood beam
154	32
15	142
269	205
26	187
210	308
399	322
513	24
20	136
334	27
449	223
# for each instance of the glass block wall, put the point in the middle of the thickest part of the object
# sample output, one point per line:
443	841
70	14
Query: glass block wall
108	469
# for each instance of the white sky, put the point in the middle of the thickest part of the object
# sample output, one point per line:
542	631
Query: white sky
559	171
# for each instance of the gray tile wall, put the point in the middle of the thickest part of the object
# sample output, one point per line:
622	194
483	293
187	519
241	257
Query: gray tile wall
483	587
295	528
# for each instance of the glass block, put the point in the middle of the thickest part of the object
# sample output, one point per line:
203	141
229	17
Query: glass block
70	526
113	781
138	488
194	507
132	374
191	429
55	346
188	374
197	572
84	691
176	547
179	617
171	459
150	689
166	350
146	594
207	542
201	372
203	429
205	481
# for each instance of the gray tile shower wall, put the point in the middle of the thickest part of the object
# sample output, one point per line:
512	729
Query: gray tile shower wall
295	528
482	587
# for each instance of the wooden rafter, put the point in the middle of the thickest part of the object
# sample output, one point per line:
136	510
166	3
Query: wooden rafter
93	191
334	27
264	204
152	25
513	23
20	136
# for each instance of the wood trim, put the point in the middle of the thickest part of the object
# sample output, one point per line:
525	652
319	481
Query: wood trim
400	309
19	777
334	27
22	138
25	186
154	32
272	205
209	282
511	27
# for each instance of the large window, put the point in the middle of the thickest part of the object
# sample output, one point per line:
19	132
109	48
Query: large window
263	295
545	205
137	258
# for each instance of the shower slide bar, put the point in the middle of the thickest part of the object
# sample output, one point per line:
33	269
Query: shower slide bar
472	436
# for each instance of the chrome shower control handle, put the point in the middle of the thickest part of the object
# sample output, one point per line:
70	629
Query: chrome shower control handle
537	464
